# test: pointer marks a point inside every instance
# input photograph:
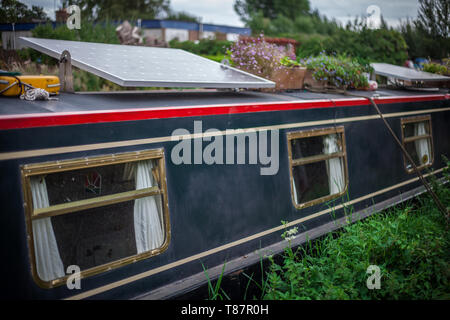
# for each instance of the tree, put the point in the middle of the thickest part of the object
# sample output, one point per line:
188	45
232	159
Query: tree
121	10
428	35
182	16
271	9
434	18
15	11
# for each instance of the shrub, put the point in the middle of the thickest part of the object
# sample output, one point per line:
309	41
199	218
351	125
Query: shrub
380	45
203	47
410	244
257	56
443	69
340	71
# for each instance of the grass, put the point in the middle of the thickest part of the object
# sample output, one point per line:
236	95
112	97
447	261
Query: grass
409	243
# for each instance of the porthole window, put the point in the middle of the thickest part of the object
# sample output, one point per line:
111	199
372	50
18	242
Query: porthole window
318	165
418	142
95	213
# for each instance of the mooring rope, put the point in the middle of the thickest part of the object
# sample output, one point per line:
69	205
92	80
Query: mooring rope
438	203
35	94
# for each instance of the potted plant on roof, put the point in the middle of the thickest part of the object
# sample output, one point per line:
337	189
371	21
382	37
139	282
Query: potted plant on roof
268	61
338	72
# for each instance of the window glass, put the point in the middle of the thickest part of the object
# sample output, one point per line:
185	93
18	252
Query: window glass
318	163
411	129
312	146
96	236
92	216
420	149
75	185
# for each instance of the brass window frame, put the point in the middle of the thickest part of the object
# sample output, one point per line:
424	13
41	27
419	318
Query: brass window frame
405	140
316	158
30	170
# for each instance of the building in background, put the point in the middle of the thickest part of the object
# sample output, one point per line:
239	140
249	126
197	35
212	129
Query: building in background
159	31
167	30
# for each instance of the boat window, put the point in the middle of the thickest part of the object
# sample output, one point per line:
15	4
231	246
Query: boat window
95	213
318	165
417	140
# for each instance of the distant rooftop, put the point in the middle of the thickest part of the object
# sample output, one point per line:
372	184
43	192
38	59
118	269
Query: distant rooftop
147	24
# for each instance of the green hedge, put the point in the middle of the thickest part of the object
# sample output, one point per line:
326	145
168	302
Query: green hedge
380	45
203	47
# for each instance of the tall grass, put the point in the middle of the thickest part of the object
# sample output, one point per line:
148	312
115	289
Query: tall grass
409	243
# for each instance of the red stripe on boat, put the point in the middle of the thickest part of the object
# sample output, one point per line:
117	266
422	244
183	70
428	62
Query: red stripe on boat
102	116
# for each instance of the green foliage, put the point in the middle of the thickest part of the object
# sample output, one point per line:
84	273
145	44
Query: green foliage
215	292
274	17
288	62
203	47
317	33
121	10
103	32
410	244
443	69
428	35
380	45
16	11
182	16
366	46
271	8
257	56
339	71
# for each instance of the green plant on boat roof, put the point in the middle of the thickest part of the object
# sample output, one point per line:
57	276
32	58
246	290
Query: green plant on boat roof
442	69
339	71
257	56
289	63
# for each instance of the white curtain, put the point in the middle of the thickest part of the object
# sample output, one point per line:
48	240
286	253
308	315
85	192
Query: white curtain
48	261
295	191
422	147
334	166
147	222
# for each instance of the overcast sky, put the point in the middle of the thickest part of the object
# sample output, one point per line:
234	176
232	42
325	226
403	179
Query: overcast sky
221	11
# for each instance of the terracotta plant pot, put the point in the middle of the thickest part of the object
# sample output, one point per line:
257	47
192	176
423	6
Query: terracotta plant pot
289	78
313	83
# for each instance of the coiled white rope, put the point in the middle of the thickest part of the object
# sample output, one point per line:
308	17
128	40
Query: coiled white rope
35	94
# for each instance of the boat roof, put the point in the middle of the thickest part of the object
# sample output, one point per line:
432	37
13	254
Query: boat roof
136	105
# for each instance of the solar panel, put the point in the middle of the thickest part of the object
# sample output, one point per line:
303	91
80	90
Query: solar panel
403	73
138	66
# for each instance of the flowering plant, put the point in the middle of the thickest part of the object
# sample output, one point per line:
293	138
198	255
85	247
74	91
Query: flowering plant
257	56
342	72
290	63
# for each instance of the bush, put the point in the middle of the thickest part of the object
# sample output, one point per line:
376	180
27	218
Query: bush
339	71
258	56
203	47
410	244
443	69
102	32
380	45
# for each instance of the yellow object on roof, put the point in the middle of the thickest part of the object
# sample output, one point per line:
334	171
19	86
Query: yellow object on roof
9	86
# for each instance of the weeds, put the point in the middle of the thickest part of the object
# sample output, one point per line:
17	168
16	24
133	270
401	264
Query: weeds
409	243
213	291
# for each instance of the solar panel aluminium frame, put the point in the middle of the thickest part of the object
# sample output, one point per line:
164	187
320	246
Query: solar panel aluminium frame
421	75
257	83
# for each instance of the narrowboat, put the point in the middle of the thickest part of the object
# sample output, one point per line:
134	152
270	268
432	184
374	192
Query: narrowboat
131	195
